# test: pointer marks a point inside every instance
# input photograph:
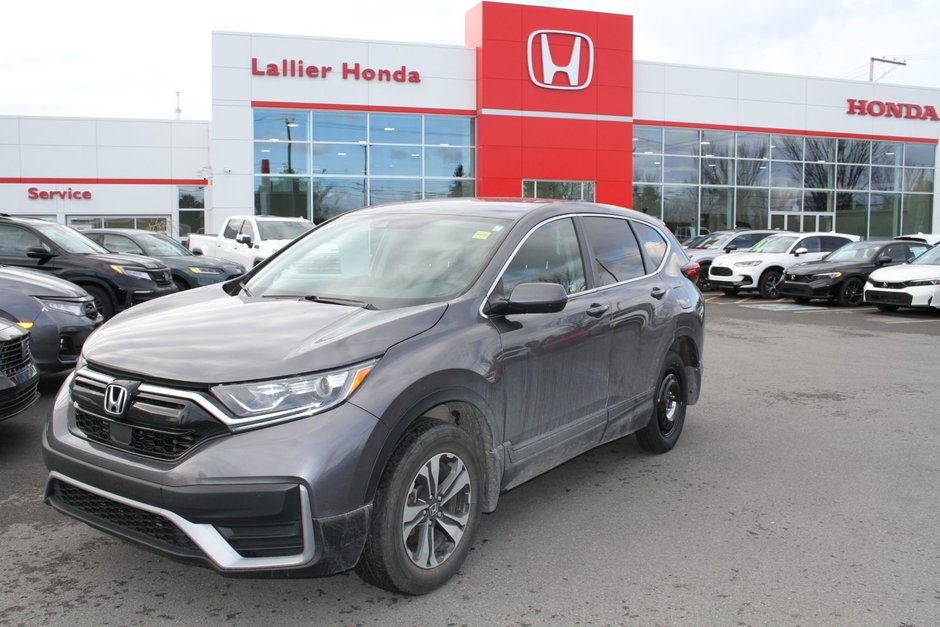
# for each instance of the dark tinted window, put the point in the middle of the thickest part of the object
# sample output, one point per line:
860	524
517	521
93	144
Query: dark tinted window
746	240
830	243
652	244
16	241
120	244
616	251
231	228
550	255
811	244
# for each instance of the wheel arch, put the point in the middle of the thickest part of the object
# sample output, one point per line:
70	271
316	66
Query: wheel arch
690	352
457	404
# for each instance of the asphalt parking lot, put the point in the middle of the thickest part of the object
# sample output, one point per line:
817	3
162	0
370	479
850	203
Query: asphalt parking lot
803	492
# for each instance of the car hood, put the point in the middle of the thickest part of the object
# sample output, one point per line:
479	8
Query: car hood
206	336
815	267
36	283
905	272
129	260
734	257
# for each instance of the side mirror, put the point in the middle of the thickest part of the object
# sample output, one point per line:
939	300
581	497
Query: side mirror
38	252
883	260
529	298
243	238
197	251
730	248
800	251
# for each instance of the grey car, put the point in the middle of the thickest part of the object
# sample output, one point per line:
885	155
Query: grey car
59	315
361	397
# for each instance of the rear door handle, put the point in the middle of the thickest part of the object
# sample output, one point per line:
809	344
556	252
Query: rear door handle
657	292
596	310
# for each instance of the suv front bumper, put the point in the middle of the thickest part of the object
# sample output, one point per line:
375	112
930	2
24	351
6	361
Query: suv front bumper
288	499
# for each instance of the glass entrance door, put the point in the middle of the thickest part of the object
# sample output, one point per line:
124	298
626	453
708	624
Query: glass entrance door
803	222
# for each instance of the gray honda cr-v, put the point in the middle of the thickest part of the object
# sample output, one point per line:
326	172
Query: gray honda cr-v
361	397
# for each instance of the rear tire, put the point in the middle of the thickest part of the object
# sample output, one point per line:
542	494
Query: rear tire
427	510
665	425
886	308
102	300
852	292
769	284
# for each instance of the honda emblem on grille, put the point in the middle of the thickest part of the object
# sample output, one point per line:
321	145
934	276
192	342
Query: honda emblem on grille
539	48
115	399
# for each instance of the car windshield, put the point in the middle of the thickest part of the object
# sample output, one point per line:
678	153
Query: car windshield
283	229
69	240
383	261
774	244
714	241
929	258
160	245
858	251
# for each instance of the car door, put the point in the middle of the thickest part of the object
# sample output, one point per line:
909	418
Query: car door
814	249
625	256
554	365
246	253
15	242
227	245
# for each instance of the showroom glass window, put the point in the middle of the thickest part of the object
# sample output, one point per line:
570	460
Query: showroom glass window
319	164
698	181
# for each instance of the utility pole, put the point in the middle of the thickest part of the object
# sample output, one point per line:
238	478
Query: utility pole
871	66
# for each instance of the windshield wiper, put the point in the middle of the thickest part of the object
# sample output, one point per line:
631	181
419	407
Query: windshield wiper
349	302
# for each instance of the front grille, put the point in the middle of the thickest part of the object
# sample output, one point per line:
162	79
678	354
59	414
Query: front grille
118	517
14	355
888	298
16	400
155	426
721	271
800	278
161	277
888	286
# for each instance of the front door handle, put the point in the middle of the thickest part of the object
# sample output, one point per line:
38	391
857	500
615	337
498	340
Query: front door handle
657	292
596	310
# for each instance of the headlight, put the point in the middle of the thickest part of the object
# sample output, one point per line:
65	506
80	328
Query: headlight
304	395
827	275
137	274
922	282
203	270
748	264
76	309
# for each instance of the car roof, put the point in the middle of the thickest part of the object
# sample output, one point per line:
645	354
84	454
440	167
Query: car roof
505	208
123	231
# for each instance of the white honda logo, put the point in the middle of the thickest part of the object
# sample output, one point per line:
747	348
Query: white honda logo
115	398
539	46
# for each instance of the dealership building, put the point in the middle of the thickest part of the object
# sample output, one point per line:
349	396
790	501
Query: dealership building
537	102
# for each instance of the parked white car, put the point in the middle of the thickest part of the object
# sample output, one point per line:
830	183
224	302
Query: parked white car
914	284
762	267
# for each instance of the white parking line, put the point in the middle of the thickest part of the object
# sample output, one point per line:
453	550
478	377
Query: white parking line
909	321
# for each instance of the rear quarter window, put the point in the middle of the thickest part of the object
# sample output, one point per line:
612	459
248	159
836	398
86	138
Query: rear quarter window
653	245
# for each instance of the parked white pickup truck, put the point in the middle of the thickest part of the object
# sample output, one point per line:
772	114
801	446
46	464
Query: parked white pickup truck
248	240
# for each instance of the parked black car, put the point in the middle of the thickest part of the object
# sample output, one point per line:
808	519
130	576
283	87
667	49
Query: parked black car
188	270
115	281
841	275
19	377
59	315
363	395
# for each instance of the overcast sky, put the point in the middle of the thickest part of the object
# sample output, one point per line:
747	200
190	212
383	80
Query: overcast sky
128	59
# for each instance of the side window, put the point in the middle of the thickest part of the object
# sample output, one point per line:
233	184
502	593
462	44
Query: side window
652	243
746	240
550	255
16	241
249	230
811	244
231	229
121	244
916	250
616	251
900	253
830	243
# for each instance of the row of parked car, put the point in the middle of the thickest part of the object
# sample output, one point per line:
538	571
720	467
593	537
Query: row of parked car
57	285
889	273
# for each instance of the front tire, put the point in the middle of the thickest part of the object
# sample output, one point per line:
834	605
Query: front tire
665	425
852	292
427	510
769	284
